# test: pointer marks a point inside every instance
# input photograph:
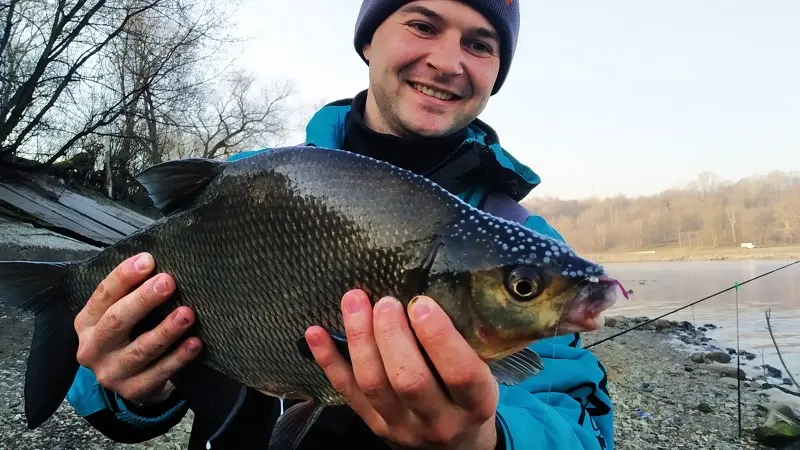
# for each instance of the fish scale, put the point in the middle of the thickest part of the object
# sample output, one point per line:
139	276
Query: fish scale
264	247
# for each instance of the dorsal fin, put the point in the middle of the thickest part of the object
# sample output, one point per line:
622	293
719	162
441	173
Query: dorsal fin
173	184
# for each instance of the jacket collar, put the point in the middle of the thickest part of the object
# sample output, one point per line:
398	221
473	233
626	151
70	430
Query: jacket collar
327	127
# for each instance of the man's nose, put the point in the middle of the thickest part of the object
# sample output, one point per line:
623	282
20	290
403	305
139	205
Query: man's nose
447	56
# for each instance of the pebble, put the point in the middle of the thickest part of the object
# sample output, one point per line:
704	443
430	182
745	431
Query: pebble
666	396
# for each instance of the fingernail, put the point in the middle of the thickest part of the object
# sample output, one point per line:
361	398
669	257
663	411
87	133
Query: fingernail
161	287
419	308
386	304
352	303
313	339
182	319
143	262
192	345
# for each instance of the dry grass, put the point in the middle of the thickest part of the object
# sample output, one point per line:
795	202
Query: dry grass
701	254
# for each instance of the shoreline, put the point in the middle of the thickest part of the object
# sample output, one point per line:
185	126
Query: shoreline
673	254
665	394
675	388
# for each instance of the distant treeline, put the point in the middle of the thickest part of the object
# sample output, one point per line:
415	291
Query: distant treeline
709	212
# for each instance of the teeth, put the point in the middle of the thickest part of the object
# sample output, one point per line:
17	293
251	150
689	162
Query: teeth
433	93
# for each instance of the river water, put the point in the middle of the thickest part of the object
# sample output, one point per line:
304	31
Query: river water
659	287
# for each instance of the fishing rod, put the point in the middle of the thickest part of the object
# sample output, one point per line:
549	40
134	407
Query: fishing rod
691	304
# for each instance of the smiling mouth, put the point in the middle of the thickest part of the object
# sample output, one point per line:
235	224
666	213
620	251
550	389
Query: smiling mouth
430	92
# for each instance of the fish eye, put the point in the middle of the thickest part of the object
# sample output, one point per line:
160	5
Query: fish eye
524	283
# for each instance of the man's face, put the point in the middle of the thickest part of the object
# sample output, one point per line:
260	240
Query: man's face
432	67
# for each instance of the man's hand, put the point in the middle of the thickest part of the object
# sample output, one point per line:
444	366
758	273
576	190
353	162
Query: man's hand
104	327
390	386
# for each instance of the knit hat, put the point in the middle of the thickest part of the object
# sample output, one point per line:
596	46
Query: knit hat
502	14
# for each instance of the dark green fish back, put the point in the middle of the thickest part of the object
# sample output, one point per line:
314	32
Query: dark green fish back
272	244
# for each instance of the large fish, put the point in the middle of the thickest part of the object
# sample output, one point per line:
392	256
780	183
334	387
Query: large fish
264	247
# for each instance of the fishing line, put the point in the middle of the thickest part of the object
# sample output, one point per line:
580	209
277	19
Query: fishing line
555	332
689	305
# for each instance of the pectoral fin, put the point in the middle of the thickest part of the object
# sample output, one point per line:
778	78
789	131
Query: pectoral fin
517	367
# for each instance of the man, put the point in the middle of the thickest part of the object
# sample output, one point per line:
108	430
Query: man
433	65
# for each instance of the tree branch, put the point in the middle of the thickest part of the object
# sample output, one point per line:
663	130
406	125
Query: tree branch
778	350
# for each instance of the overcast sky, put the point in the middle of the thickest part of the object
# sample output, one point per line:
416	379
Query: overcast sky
603	97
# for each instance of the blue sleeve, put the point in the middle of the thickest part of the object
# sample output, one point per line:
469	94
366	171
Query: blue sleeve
117	418
245	154
537	223
567	405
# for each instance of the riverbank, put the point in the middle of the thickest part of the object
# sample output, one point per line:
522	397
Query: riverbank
675	388
701	254
665	395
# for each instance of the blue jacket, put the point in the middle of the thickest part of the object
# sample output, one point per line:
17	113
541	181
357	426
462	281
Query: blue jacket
566	406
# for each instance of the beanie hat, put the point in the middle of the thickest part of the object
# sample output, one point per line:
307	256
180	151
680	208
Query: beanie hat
502	14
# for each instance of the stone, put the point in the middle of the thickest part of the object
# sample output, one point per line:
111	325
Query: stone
720	357
661	324
747	355
698	357
780	428
726	371
772	371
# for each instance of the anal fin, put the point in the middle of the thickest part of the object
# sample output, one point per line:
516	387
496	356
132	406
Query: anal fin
517	367
293	425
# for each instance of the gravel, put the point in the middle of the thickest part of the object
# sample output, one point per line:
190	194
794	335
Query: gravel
666	396
662	398
22	241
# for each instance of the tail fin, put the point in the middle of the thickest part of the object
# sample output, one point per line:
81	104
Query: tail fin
37	287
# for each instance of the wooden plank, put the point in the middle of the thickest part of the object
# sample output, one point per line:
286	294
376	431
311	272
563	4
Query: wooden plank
107	208
94	211
56	214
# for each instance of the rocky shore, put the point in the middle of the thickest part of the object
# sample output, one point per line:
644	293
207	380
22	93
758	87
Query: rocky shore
672	389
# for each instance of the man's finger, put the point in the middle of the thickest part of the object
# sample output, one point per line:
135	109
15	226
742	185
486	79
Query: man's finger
365	357
406	367
115	325
154	343
341	377
159	373
115	286
167	366
468	379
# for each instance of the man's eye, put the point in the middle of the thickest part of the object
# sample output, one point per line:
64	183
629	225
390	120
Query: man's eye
422	27
480	47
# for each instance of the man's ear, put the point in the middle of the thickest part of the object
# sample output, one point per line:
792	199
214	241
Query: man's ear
365	50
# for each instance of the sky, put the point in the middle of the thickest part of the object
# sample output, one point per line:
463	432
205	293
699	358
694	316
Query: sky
603	98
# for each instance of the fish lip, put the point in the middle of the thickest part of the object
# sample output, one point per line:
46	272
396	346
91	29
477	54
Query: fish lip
586	311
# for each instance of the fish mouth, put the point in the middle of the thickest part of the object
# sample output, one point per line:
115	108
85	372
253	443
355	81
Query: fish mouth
585	310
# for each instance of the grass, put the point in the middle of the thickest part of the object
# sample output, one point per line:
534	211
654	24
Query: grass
696	254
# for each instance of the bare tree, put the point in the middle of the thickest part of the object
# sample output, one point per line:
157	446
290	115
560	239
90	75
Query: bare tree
49	48
762	209
731	213
238	117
